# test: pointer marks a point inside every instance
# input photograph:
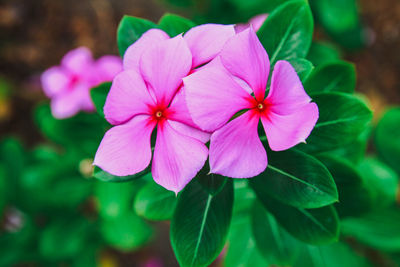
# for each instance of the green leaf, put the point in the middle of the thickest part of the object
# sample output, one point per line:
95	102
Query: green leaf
275	244
130	29
336	76
244	196
174	24
387	138
107	177
200	224
99	95
379	229
354	197
321	53
313	226
126	232
302	66
342	118
296	179
154	202
287	32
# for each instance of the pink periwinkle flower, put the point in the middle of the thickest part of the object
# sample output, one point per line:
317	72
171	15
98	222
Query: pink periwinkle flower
149	95
68	85
235	84
256	22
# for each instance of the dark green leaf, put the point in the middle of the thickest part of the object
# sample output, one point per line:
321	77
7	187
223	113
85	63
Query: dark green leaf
287	32
107	177
200	224
154	202
296	179
321	53
244	196
302	66
130	29
99	95
342	118
335	76
174	24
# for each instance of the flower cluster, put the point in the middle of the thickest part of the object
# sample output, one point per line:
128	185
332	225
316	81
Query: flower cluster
206	85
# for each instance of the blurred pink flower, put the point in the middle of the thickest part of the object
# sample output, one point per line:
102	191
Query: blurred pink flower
149	93
225	87
256	22
68	85
152	262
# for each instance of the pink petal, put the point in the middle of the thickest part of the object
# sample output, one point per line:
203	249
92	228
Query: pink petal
54	81
78	61
213	97
245	57
206	41
258	21
164	65
125	149
107	67
128	97
177	158
135	51
236	150
286	131
287	93
190	131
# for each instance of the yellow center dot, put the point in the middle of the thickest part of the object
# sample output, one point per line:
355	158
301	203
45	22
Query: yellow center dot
159	114
260	106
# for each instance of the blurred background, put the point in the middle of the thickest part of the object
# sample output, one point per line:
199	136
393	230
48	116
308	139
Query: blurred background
35	34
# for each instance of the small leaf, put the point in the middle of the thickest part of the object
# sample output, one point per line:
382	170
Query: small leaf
302	66
174	24
99	96
336	76
313	226
130	29
287	32
200	224
107	177
296	179
154	202
321	53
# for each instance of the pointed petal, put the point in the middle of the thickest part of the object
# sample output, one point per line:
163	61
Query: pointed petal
245	57
213	97
206	41
236	150
54	81
106	68
177	158
135	51
258	21
78	61
286	131
164	65
287	93
125	149
190	131
128	97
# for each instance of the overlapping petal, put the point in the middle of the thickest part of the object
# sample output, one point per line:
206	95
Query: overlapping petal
54	81
107	67
236	150
177	158
125	149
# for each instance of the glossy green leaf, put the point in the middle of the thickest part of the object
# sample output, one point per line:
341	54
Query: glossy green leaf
342	118
99	95
313	226
354	197
287	32
302	66
335	76
107	177
130	29
154	202
275	244
200	224
244	196
321	53
297	179
387	138
174	24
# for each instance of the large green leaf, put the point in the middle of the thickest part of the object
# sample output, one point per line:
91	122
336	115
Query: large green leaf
335	76
387	138
174	24
321	53
314	226
99	96
200	223
275	244
130	29
302	66
244	196
154	202
342	118
287	32
107	177
297	179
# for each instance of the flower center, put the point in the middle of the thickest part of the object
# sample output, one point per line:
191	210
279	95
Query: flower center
158	114
260	106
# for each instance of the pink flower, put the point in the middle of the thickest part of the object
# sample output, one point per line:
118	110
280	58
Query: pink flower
225	88
68	85
256	22
148	94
